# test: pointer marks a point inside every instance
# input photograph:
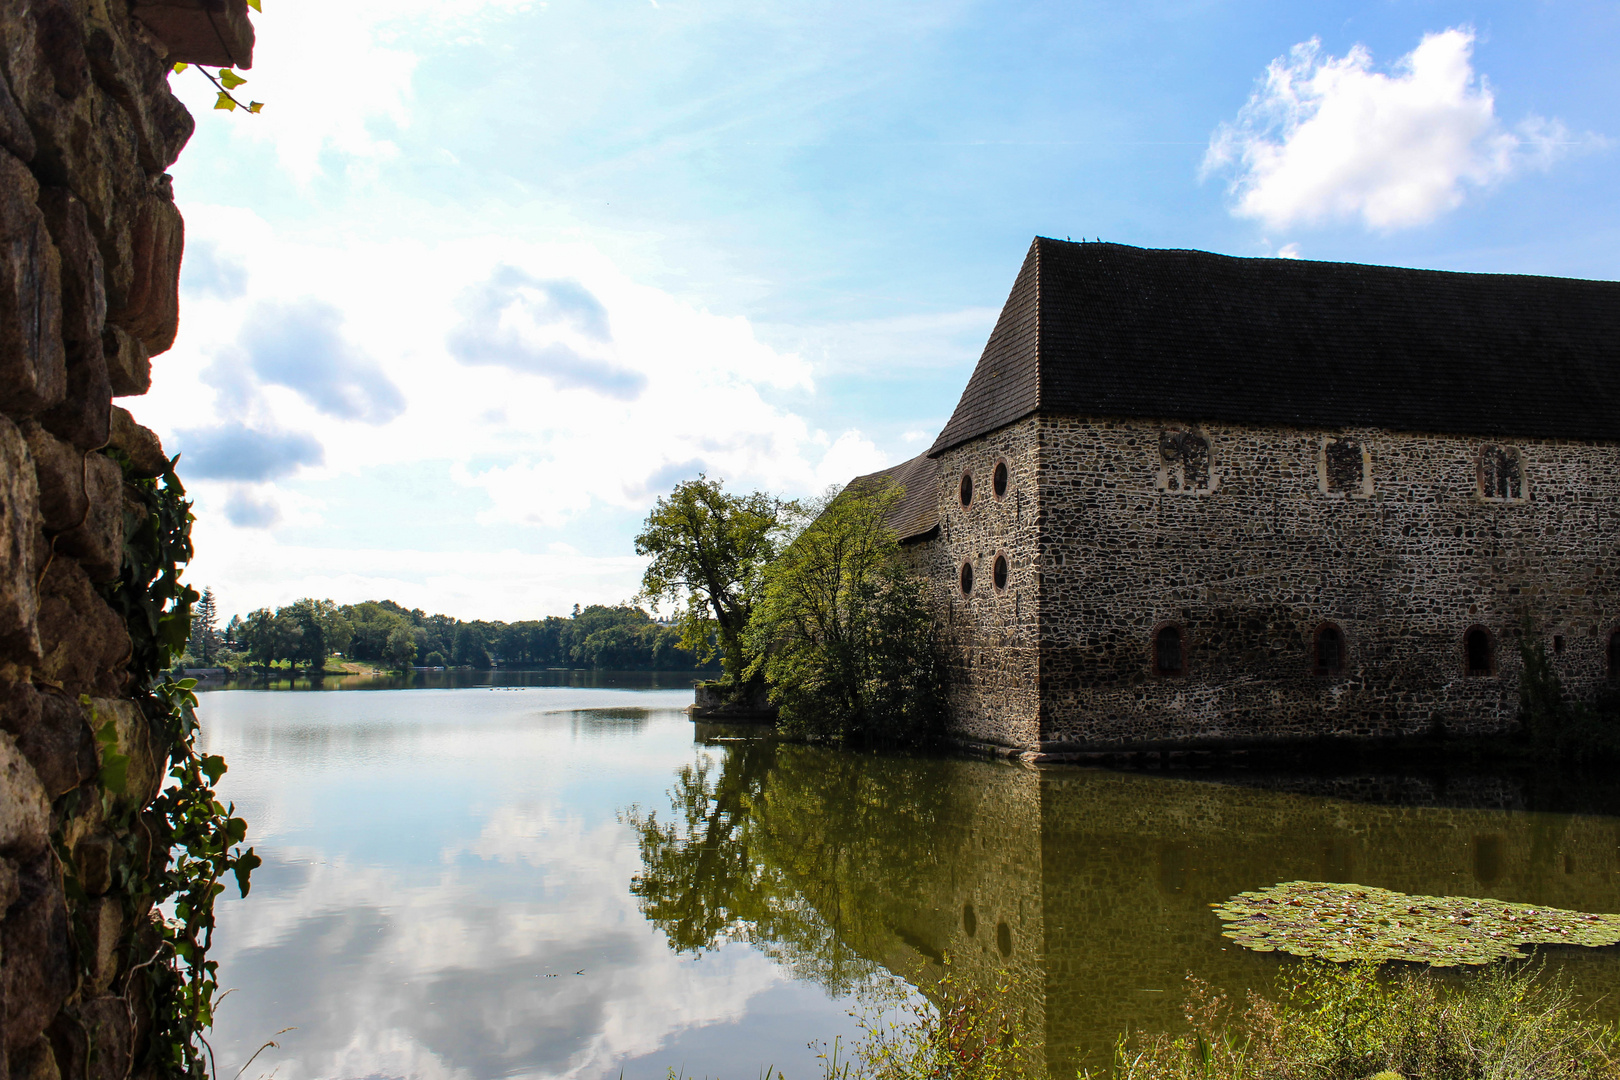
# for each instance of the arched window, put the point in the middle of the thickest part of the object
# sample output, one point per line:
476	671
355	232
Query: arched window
967	579
1169	652
1501	473
1183	461
1478	654
998	572
998	479
1329	650
965	491
1614	656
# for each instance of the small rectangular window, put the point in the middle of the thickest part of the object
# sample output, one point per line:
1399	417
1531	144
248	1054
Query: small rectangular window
1183	461
1343	467
1501	473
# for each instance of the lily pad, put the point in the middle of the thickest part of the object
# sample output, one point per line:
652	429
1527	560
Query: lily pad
1359	922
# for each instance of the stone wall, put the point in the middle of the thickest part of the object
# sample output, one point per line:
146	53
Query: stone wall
90	245
989	632
1249	554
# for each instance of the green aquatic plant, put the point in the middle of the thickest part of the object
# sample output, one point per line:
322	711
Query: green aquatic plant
961	1032
1355	1022
1344	923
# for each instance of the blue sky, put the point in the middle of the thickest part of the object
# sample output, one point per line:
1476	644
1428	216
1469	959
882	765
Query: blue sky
486	277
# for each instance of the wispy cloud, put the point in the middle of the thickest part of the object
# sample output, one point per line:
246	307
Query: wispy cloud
1329	138
236	452
556	329
247	509
300	345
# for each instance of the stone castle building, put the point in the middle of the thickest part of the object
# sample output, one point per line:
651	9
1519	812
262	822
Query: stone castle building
1188	499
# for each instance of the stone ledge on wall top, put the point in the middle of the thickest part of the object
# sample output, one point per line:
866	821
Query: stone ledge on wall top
213	32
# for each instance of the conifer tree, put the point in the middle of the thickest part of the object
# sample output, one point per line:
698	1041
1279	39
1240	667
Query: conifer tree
205	628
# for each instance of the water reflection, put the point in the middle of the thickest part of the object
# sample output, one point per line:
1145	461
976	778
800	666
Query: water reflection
1096	884
444	895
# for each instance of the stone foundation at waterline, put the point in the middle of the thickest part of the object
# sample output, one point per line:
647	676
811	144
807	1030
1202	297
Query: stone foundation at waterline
90	247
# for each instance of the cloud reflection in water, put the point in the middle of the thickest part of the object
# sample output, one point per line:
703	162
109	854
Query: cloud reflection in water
439	866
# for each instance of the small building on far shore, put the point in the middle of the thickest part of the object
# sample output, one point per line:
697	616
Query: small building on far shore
1192	500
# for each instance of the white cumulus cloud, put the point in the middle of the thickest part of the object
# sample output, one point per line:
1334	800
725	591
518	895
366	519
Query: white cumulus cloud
1329	138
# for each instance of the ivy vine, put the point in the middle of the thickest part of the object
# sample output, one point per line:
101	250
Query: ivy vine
177	851
225	80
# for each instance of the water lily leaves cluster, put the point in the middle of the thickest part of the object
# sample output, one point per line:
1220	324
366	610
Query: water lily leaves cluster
1344	923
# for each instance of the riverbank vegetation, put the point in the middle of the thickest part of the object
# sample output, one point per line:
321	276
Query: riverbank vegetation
307	634
1322	1021
1331	1022
708	550
843	635
812	602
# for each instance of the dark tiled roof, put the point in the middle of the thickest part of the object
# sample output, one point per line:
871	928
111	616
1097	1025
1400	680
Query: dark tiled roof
917	512
1108	330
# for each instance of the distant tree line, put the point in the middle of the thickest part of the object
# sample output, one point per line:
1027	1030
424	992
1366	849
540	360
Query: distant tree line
308	631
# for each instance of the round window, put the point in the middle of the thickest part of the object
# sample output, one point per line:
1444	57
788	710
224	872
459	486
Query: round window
966	491
967	578
998	573
998	479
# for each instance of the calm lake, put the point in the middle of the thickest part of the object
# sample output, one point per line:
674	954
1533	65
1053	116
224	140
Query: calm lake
574	880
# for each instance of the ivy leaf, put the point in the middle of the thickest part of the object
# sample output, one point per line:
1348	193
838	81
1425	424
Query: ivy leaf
257	106
254	4
230	79
246	863
214	766
225	101
180	67
114	772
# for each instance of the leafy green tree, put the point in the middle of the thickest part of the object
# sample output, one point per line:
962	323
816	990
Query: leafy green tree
709	550
315	630
259	638
401	649
843	633
468	648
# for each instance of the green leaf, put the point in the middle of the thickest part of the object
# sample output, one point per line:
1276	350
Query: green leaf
114	772
213	766
257	106
225	101
179	67
246	863
254	4
230	79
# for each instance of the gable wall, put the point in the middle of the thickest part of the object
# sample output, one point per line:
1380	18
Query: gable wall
1252	568
989	634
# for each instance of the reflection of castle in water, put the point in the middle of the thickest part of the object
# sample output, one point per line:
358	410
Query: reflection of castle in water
1091	888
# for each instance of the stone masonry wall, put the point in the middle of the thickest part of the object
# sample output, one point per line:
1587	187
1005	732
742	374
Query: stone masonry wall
990	632
90	244
1252	563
